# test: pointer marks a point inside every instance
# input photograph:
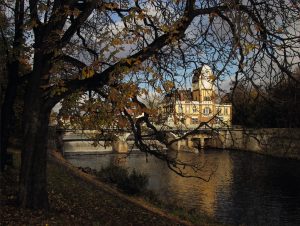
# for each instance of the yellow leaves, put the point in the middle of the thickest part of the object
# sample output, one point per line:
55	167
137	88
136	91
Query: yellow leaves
168	85
128	61
165	28
132	62
87	72
248	48
58	91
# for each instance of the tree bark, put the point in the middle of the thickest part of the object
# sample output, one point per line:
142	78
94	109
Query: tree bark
33	179
33	182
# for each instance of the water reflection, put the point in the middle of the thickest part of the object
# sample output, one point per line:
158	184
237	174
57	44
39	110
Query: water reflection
245	189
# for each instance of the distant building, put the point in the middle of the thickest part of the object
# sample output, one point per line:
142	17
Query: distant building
201	104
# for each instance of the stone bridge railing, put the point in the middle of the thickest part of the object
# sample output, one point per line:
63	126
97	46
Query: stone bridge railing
276	142
280	142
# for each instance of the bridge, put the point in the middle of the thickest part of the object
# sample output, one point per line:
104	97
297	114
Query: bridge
119	141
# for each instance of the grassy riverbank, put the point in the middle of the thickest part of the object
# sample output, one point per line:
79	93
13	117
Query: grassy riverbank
78	201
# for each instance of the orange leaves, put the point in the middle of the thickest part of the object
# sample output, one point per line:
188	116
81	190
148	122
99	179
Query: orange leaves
122	122
280	30
113	95
116	42
212	16
158	90
130	90
132	61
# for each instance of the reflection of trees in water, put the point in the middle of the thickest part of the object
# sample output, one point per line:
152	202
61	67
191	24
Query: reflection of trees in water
264	190
195	193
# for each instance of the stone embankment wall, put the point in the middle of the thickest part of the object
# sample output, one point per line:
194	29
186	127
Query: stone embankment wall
280	142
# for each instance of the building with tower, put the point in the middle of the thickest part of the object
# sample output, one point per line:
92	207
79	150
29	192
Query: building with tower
199	104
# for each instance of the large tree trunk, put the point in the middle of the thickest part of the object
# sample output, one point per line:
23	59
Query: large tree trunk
33	180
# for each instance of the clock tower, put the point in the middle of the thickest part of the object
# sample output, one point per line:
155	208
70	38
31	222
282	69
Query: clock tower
203	88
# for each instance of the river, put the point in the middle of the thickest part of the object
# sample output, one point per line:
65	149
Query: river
245	188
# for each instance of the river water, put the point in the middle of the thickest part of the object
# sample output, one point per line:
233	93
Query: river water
245	188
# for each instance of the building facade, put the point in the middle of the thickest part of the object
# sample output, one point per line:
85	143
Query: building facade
199	104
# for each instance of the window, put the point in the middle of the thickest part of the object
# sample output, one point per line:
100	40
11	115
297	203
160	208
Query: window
180	109
206	111
195	121
194	109
226	111
207	98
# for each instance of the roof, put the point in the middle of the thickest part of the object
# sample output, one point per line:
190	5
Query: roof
182	95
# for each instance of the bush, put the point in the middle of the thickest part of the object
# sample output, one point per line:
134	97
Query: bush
113	174
131	183
135	183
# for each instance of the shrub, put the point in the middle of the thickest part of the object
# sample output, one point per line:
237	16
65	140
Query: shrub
113	173
131	183
135	183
